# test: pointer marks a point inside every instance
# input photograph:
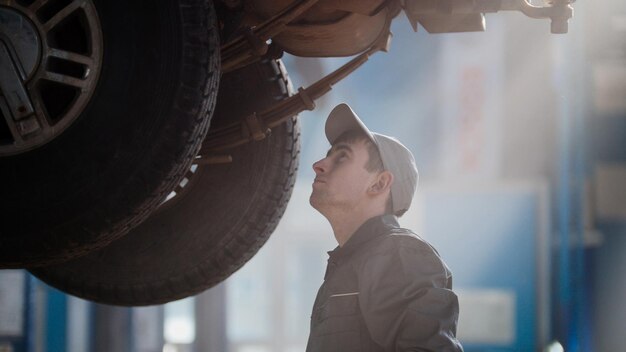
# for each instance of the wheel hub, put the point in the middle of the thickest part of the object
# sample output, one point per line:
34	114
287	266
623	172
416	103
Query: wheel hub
19	55
50	60
20	37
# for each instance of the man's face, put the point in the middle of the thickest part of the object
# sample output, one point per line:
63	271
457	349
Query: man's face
341	180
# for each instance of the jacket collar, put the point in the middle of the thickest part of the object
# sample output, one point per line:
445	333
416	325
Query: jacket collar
370	229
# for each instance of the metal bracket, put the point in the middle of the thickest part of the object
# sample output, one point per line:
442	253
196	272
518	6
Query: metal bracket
253	126
307	101
248	47
559	12
258	125
258	45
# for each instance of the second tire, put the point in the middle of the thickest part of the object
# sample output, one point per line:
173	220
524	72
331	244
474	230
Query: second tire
220	219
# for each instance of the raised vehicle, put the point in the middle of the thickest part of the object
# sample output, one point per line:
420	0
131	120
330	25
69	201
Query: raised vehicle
148	149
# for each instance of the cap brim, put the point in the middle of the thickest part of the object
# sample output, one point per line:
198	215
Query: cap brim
342	119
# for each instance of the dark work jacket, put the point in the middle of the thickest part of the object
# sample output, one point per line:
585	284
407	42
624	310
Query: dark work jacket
385	289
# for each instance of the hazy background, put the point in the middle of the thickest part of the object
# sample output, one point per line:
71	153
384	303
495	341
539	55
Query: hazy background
519	137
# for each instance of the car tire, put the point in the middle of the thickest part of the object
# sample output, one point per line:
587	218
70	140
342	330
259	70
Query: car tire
218	221
130	146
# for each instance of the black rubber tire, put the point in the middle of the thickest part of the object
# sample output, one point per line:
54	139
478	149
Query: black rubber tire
223	216
132	144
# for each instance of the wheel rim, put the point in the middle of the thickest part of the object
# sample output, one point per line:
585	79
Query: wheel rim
50	61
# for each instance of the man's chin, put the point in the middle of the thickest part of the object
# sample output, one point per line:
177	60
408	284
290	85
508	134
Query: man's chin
312	200
315	201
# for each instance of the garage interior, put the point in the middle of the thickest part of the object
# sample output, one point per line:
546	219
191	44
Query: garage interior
519	138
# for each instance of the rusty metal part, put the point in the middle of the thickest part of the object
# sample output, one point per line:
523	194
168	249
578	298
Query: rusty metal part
259	10
29	62
323	11
253	43
368	8
433	14
346	36
330	28
258	125
310	28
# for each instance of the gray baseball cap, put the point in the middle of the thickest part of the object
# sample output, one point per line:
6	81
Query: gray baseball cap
396	158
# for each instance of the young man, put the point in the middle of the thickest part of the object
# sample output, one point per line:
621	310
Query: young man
385	288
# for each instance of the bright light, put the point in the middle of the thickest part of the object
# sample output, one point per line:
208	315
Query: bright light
554	346
180	324
179	330
169	348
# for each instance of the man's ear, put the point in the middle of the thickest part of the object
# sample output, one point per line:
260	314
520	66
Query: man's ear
382	182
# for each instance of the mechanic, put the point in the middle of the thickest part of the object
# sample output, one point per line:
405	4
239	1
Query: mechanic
385	288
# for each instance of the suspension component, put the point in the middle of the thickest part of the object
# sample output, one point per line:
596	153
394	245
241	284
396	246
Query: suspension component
258	125
252	44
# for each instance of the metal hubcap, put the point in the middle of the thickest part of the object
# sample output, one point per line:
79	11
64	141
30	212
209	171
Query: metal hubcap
50	60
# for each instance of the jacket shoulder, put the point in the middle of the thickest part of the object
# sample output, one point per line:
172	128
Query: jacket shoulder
403	250
403	238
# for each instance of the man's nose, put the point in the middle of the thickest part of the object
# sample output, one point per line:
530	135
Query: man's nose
319	166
